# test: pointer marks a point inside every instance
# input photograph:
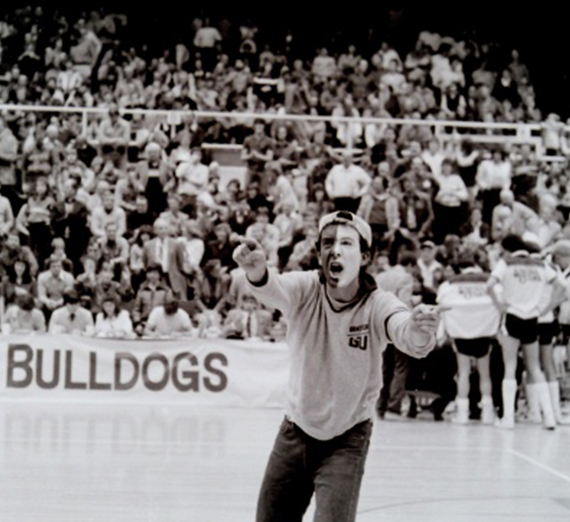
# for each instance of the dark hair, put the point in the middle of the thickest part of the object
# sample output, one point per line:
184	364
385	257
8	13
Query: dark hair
143	229
155	267
26	276
512	243
112	297
71	297
25	301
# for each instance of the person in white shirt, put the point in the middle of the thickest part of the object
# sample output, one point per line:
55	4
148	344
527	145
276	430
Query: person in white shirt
346	183
471	322
168	320
71	318
517	286
112	321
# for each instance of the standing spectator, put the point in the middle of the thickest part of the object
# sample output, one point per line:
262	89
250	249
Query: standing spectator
69	221
173	215
493	175
34	220
52	284
431	270
347	134
206	42
154	173
323	67
71	318
163	250
346	183
399	280
450	202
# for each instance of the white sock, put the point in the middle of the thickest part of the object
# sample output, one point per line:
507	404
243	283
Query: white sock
509	388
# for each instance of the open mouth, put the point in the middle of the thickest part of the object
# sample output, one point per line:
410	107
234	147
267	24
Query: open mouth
335	268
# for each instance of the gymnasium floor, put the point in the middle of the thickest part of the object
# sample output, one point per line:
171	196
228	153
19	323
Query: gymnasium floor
90	462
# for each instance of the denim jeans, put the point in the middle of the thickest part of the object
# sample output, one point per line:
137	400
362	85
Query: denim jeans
300	465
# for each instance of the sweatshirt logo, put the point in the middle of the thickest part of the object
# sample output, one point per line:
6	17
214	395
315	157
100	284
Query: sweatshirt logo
358	337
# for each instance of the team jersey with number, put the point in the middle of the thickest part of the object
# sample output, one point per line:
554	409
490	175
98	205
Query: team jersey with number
335	349
472	313
524	280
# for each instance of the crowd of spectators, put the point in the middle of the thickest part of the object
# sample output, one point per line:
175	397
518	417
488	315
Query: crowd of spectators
129	214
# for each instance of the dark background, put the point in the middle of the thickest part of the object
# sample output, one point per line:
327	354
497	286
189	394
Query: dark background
538	30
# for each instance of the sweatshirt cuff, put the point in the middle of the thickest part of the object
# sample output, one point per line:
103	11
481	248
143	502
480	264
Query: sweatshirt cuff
262	281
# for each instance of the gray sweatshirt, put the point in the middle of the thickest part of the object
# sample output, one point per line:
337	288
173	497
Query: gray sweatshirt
335	350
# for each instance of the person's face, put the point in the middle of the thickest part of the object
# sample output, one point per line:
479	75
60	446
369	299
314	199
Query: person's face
161	230
12	241
427	254
340	256
41	187
152	276
111	230
142	205
19	267
72	307
108	202
55	268
173	204
109	307
106	275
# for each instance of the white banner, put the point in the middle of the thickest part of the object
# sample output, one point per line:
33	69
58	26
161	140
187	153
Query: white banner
203	372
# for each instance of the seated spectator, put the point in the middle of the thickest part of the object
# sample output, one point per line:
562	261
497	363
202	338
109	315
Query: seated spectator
513	217
211	287
304	255
114	249
52	285
136	255
22	317
289	223
249	321
58	252
257	151
191	179
168	319
379	208
152	293
86	281
107	283
475	230
17	281
71	318
266	234
108	212
139	216
240	218
112	321
114	135
192	249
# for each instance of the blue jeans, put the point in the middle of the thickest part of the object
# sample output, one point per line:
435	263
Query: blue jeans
300	465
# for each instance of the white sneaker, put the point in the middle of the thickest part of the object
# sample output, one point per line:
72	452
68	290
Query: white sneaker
505	423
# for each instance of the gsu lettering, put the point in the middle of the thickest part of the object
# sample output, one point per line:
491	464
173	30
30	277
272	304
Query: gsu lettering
184	372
